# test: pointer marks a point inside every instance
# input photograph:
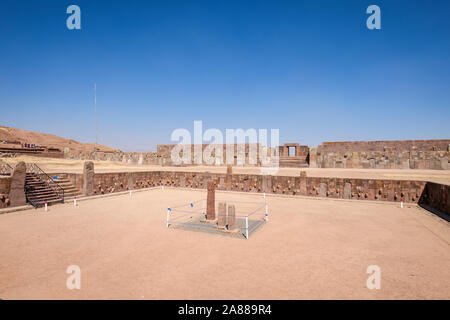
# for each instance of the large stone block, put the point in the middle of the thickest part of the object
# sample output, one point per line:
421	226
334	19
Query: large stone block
222	215
322	189
267	183
130	181
231	217
347	190
444	164
88	178
17	190
303	184
313	158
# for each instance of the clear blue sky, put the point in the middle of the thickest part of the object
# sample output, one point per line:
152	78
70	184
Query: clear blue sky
310	68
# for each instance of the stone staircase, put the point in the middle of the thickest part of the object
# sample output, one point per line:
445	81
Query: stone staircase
70	191
39	191
293	161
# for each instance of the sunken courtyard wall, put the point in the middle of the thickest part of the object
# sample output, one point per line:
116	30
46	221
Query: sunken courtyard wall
340	188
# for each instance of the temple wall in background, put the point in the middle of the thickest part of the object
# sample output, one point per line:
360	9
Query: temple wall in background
406	154
123	157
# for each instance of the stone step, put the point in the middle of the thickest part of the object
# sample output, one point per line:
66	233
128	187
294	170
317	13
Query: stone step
41	194
35	182
34	188
48	199
41	191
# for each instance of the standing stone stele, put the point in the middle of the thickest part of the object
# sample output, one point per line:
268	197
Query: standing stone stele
222	215
347	190
17	189
210	201
322	189
313	158
229	177
303	184
231	217
130	181
88	178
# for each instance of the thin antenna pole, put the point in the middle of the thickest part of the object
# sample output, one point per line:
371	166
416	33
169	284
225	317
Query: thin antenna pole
96	121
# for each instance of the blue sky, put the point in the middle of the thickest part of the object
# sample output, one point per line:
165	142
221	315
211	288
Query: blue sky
309	68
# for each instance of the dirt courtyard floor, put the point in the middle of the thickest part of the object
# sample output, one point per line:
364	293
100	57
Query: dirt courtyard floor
310	249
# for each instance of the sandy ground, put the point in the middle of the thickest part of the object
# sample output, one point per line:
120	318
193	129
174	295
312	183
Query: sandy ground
310	248
76	166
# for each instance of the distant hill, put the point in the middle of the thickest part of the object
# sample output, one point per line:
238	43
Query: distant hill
48	140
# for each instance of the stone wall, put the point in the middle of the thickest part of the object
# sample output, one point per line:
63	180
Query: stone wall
431	195
123	157
395	145
396	154
361	189
163	156
437	196
407	154
5	185
164	152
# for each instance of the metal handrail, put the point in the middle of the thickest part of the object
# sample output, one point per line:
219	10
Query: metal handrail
34	168
5	168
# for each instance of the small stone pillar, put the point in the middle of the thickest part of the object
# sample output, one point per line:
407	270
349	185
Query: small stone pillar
347	190
210	201
206	179
231	217
303	183
323	189
88	178
17	189
222	215
130	181
229	177
313	158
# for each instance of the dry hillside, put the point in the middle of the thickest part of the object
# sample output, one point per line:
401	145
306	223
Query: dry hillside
48	140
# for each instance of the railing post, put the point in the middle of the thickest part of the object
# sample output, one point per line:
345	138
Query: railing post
167	217
204	207
246	227
266	216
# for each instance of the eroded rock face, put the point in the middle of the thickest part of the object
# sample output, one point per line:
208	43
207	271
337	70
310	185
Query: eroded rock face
17	190
88	178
